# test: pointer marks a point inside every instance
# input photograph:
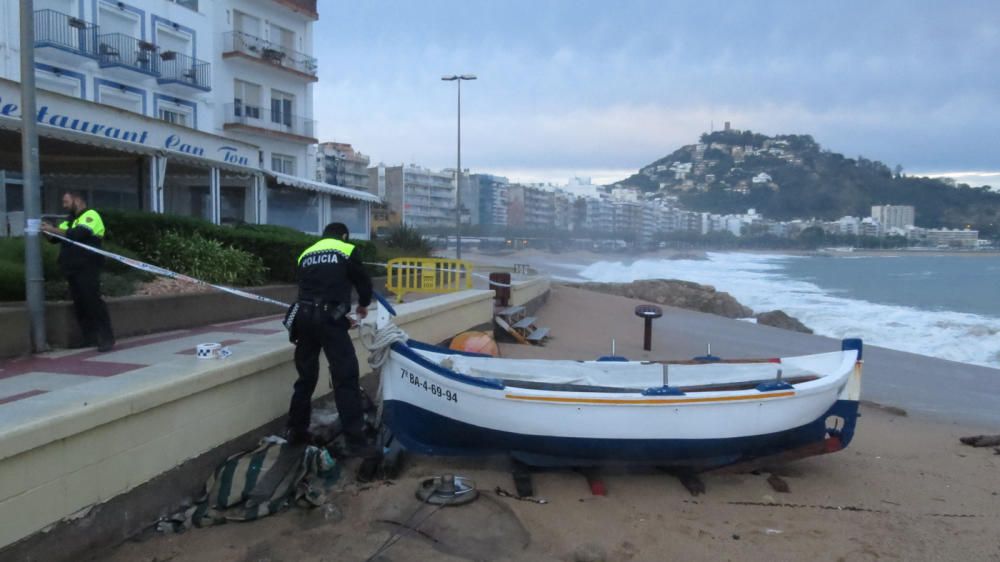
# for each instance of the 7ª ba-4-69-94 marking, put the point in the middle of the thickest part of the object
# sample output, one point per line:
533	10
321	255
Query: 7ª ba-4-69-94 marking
434	389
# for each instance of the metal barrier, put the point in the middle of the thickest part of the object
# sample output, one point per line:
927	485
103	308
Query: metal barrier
427	275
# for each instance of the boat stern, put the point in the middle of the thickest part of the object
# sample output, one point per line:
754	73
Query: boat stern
842	418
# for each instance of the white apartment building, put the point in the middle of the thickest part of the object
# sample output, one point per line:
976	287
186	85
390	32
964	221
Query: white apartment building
338	163
416	196
193	107
893	216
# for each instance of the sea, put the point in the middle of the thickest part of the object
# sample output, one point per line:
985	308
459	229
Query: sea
945	306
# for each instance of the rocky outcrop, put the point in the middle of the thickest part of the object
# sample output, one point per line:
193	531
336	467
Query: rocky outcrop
671	292
779	319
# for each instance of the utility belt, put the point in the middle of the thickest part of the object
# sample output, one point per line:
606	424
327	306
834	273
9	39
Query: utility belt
314	312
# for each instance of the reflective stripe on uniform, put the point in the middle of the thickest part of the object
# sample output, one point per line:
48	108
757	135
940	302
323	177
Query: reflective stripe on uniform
91	220
326	245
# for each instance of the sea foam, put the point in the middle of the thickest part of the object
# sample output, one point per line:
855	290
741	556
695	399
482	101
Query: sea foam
757	281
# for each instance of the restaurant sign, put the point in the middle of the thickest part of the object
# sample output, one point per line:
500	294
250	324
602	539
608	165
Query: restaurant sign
64	112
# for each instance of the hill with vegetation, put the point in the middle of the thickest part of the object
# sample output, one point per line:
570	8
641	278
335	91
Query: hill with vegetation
790	176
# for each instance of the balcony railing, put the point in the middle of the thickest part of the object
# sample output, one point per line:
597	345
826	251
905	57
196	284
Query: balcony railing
268	52
59	30
176	68
307	7
118	49
261	119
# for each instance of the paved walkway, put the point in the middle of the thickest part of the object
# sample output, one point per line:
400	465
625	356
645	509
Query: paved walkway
23	378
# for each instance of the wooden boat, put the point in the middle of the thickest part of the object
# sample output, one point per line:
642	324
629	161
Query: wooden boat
702	413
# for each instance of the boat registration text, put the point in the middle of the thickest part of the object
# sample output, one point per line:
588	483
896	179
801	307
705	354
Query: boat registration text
432	388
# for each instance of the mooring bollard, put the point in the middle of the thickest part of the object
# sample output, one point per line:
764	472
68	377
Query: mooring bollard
648	312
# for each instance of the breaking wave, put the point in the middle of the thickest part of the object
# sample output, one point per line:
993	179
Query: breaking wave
758	281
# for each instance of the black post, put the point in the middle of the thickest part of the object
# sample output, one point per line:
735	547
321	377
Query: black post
648	312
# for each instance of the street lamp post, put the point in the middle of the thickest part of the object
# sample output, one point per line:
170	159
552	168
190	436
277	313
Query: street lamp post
34	279
458	170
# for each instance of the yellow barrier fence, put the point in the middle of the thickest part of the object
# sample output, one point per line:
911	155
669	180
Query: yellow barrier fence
427	275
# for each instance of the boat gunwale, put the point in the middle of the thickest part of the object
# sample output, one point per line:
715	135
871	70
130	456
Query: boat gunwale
412	348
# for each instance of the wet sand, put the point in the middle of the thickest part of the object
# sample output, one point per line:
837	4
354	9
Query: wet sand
906	489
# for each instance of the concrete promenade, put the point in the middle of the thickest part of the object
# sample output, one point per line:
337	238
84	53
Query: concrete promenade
78	428
36	375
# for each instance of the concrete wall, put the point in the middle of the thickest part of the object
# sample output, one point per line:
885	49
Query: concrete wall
14	326
135	316
531	293
65	451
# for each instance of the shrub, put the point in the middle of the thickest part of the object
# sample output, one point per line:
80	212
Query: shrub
12	251
409	240
278	247
208	259
11	281
12	284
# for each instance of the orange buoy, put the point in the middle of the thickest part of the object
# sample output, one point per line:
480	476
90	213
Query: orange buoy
475	342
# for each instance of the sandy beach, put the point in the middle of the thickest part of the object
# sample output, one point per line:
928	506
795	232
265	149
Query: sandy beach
906	489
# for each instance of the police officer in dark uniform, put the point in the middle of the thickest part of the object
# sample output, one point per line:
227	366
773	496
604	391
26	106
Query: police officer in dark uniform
327	271
82	269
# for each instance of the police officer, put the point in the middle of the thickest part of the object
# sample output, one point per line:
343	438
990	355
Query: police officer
82	269
327	271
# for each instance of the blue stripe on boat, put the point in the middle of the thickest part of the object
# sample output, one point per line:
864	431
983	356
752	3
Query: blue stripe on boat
425	432
406	351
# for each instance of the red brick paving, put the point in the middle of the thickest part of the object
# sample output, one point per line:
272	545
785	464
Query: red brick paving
193	350
21	396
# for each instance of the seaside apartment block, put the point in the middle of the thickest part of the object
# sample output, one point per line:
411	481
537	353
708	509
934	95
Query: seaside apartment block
893	216
416	196
200	108
338	163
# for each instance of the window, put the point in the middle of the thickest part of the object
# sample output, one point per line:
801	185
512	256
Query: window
176	112
293	208
56	81
246	24
170	40
281	108
282	37
174	117
246	100
121	97
189	4
352	213
283	164
118	19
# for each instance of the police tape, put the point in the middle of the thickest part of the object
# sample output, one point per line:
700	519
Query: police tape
163	272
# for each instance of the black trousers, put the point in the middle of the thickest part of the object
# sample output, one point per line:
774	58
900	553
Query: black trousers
316	332
91	312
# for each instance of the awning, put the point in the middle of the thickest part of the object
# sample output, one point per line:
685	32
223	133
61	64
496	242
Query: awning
312	185
81	138
68	135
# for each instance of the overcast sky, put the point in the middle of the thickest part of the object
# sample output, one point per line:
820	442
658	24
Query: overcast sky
600	89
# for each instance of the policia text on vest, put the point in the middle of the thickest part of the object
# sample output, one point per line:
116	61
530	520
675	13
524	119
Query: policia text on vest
328	272
82	269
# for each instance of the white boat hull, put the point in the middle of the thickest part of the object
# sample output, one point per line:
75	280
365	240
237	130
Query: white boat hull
434	410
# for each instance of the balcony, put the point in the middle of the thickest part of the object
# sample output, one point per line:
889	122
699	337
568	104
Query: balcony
239	44
304	7
124	51
185	71
61	31
259	121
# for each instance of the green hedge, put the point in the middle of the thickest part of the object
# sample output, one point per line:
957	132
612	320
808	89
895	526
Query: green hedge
118	278
12	284
208	260
277	247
